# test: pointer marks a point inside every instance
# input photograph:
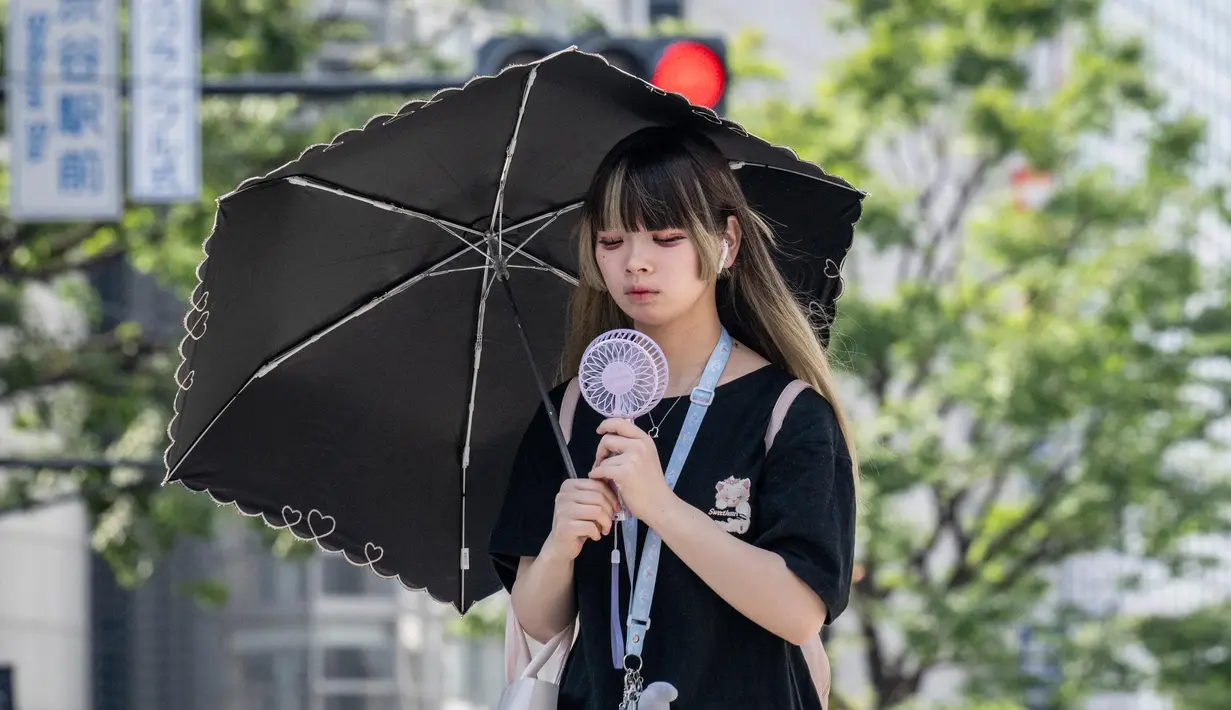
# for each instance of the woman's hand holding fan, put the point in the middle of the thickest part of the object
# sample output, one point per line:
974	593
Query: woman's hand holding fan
627	458
623	375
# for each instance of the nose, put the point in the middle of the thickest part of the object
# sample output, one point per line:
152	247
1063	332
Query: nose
638	257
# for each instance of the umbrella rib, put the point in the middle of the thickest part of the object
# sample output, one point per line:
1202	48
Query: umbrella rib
736	165
269	366
488	280
498	208
553	217
538	218
397	288
529	267
541	265
451	228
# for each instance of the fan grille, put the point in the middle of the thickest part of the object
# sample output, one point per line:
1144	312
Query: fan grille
623	373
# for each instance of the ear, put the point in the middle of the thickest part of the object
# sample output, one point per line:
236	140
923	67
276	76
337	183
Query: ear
718	486
734	236
746	484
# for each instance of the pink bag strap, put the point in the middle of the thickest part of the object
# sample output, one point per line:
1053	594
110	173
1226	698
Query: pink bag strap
568	407
789	393
813	650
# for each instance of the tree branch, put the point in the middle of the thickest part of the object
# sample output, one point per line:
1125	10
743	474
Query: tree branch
966	194
1049	493
57	250
25	505
1046	551
923	203
999	479
875	656
50	271
878	379
941	146
946	519
132	355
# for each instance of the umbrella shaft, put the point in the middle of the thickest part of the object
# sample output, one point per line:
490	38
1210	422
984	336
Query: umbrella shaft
538	380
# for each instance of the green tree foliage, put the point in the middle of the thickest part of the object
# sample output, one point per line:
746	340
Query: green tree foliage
1195	657
1031	380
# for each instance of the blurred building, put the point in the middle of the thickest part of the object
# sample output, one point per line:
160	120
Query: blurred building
44	607
318	634
1190	47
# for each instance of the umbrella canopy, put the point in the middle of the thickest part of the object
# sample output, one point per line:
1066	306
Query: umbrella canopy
348	372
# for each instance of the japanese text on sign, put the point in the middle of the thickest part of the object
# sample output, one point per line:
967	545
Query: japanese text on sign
165	134
63	90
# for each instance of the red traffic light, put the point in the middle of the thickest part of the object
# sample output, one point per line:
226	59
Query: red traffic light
692	69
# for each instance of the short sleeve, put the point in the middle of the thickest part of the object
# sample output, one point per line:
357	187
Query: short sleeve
807	501
524	521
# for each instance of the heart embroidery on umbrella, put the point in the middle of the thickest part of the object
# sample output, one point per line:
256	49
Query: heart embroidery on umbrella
320	519
287	511
373	552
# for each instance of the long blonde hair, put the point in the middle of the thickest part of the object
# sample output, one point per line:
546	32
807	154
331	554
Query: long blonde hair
661	178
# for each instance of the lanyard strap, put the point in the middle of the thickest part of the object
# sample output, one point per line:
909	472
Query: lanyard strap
647	571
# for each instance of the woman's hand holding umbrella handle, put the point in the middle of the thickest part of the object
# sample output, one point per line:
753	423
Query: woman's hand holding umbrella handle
584	511
542	594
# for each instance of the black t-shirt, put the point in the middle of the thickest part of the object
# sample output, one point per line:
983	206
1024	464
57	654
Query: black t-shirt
797	500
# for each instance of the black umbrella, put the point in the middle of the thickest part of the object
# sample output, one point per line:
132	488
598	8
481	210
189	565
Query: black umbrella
347	371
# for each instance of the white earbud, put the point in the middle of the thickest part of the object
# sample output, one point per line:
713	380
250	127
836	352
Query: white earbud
726	249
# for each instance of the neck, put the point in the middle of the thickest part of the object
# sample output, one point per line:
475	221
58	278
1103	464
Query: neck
688	343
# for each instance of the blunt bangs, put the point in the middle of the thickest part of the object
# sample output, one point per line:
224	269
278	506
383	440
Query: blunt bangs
655	185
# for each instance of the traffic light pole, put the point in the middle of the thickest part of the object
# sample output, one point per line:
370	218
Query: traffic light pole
335	85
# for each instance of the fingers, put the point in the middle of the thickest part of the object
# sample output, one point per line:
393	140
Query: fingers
593	520
583	528
606	447
622	428
608	473
585	508
584	489
610	445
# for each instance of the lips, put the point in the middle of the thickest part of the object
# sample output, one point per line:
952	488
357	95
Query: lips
639	291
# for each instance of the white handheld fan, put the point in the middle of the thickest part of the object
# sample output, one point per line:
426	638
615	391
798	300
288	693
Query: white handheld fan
623	373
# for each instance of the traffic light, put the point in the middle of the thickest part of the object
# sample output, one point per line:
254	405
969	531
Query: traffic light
693	66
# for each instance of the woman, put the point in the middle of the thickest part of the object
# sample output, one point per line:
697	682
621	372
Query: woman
756	546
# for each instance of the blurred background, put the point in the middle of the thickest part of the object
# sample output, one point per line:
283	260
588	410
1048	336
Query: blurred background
1036	337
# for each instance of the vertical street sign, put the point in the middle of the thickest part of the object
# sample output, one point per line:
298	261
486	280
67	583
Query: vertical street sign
164	124
63	98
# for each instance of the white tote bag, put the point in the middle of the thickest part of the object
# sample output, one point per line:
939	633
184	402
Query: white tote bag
524	689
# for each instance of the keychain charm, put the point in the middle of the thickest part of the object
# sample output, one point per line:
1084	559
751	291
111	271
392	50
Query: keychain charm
632	689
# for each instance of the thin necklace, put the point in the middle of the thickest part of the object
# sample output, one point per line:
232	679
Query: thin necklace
654	427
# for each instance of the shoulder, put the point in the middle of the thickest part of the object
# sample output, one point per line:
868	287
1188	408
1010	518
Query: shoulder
742	361
812	418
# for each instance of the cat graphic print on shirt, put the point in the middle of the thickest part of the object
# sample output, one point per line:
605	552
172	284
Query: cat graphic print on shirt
731	508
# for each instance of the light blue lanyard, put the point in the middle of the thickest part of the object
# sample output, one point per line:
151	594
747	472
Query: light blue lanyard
647	572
